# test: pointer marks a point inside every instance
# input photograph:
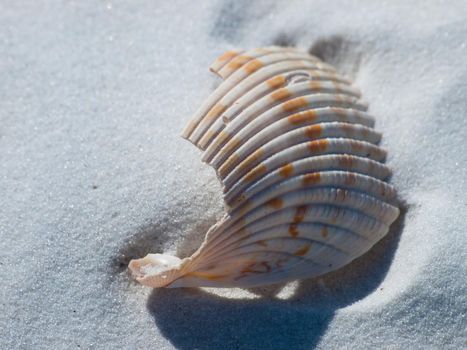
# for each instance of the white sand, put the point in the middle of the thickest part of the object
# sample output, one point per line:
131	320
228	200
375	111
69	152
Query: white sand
93	96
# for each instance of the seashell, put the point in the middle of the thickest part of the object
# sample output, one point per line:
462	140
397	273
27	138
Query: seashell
303	175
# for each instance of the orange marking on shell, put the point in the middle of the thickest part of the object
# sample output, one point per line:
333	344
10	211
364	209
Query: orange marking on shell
350	179
341	113
215	111
313	131
229	163
302	117
281	94
294	104
302	250
254	267
286	170
238	61
300	214
221	137
253	66
293	230
318	146
315	85
275	203
229	148
227	55
208	136
247	268
232	144
276	82
256	173
311	178
346	161
262	243
324	232
251	160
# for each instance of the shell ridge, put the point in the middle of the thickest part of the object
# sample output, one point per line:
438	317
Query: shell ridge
276	69
343	162
325	195
234	246
377	189
275	97
305	118
250	55
236	132
266	58
258	275
241	79
230	253
299	227
319	213
240	162
283	127
318	148
244	82
224	59
257	214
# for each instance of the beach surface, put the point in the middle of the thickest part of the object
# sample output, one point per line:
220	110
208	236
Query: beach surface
93	98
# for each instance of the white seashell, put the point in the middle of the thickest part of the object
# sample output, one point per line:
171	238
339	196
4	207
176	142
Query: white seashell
303	177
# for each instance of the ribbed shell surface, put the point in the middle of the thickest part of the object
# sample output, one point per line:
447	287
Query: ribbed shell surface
302	172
